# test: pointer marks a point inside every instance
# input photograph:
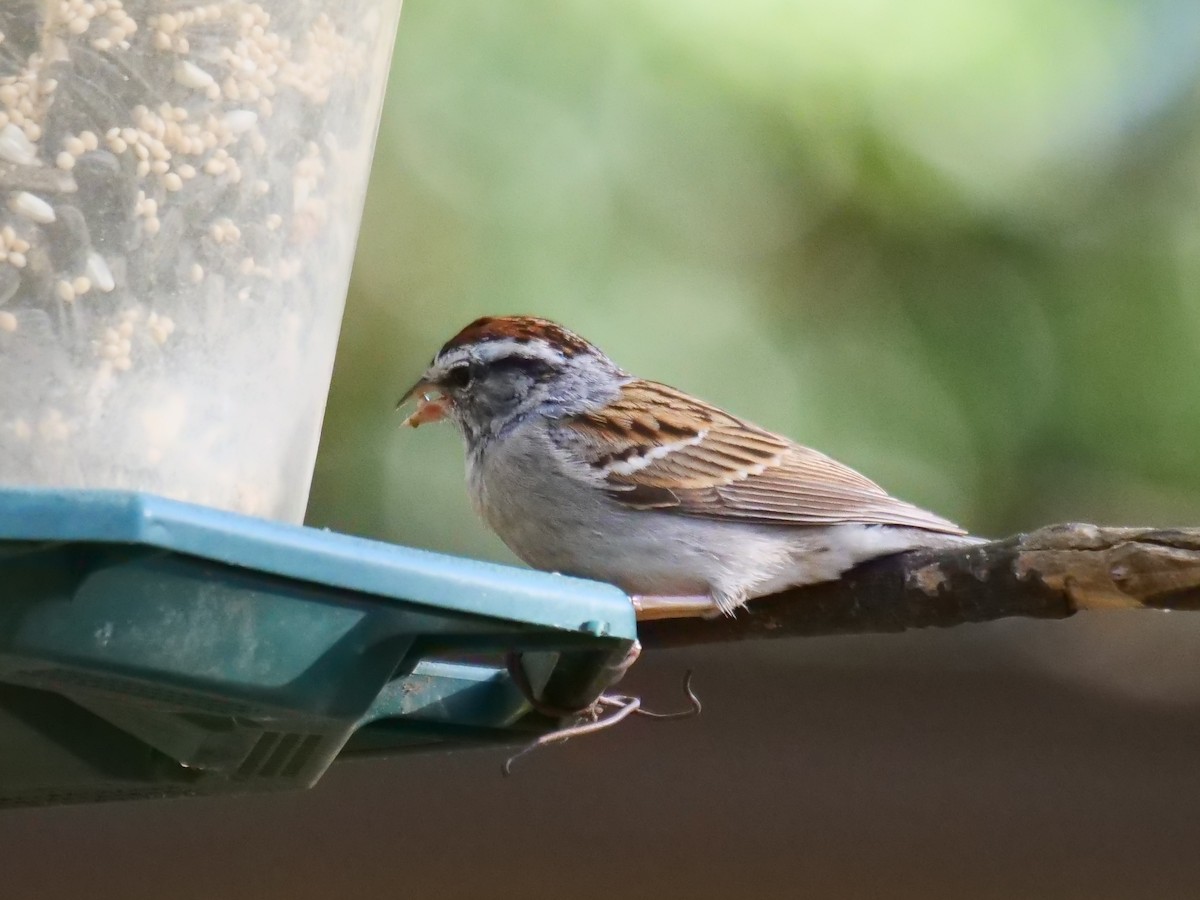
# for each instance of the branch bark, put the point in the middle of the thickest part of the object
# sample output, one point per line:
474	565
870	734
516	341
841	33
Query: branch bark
1050	573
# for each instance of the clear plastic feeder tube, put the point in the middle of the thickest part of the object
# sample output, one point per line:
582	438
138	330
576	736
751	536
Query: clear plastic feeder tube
180	192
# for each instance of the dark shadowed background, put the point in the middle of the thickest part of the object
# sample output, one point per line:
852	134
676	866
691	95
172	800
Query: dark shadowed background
956	246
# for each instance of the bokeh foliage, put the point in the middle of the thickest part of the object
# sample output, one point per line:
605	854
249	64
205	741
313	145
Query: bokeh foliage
954	245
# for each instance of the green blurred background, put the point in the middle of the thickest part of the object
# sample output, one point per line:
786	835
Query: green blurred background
956	245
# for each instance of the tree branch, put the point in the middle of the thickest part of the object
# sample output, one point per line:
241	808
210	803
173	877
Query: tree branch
1050	573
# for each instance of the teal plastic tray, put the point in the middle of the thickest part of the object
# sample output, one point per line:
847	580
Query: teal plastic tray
152	648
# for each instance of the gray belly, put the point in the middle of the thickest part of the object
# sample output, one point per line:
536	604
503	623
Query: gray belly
555	522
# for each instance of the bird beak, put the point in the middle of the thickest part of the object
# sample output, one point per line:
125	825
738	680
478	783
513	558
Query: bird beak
429	409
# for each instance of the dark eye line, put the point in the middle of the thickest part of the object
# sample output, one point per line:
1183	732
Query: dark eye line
534	368
461	375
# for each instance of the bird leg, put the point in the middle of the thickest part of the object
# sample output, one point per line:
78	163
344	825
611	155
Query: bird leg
650	606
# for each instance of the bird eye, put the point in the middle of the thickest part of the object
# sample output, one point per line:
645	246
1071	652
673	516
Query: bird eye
458	377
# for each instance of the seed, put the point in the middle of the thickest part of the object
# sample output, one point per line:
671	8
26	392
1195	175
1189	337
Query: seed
31	207
172	182
81	285
224	230
240	121
15	146
8	322
192	76
65	292
65	161
99	272
161	328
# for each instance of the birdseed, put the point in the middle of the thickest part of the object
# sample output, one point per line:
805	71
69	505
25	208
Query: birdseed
181	188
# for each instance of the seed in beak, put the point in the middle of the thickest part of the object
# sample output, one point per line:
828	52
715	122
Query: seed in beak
429	410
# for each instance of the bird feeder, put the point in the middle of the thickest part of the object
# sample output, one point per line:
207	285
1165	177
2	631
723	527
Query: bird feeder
180	192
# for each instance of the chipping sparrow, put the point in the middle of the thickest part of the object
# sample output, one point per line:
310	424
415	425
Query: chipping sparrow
584	469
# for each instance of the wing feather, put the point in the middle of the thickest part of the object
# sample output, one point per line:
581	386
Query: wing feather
657	448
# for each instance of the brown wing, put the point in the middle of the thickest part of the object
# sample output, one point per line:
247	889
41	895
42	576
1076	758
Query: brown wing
657	448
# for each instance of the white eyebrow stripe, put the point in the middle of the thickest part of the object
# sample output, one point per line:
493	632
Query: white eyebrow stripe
490	351
658	451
